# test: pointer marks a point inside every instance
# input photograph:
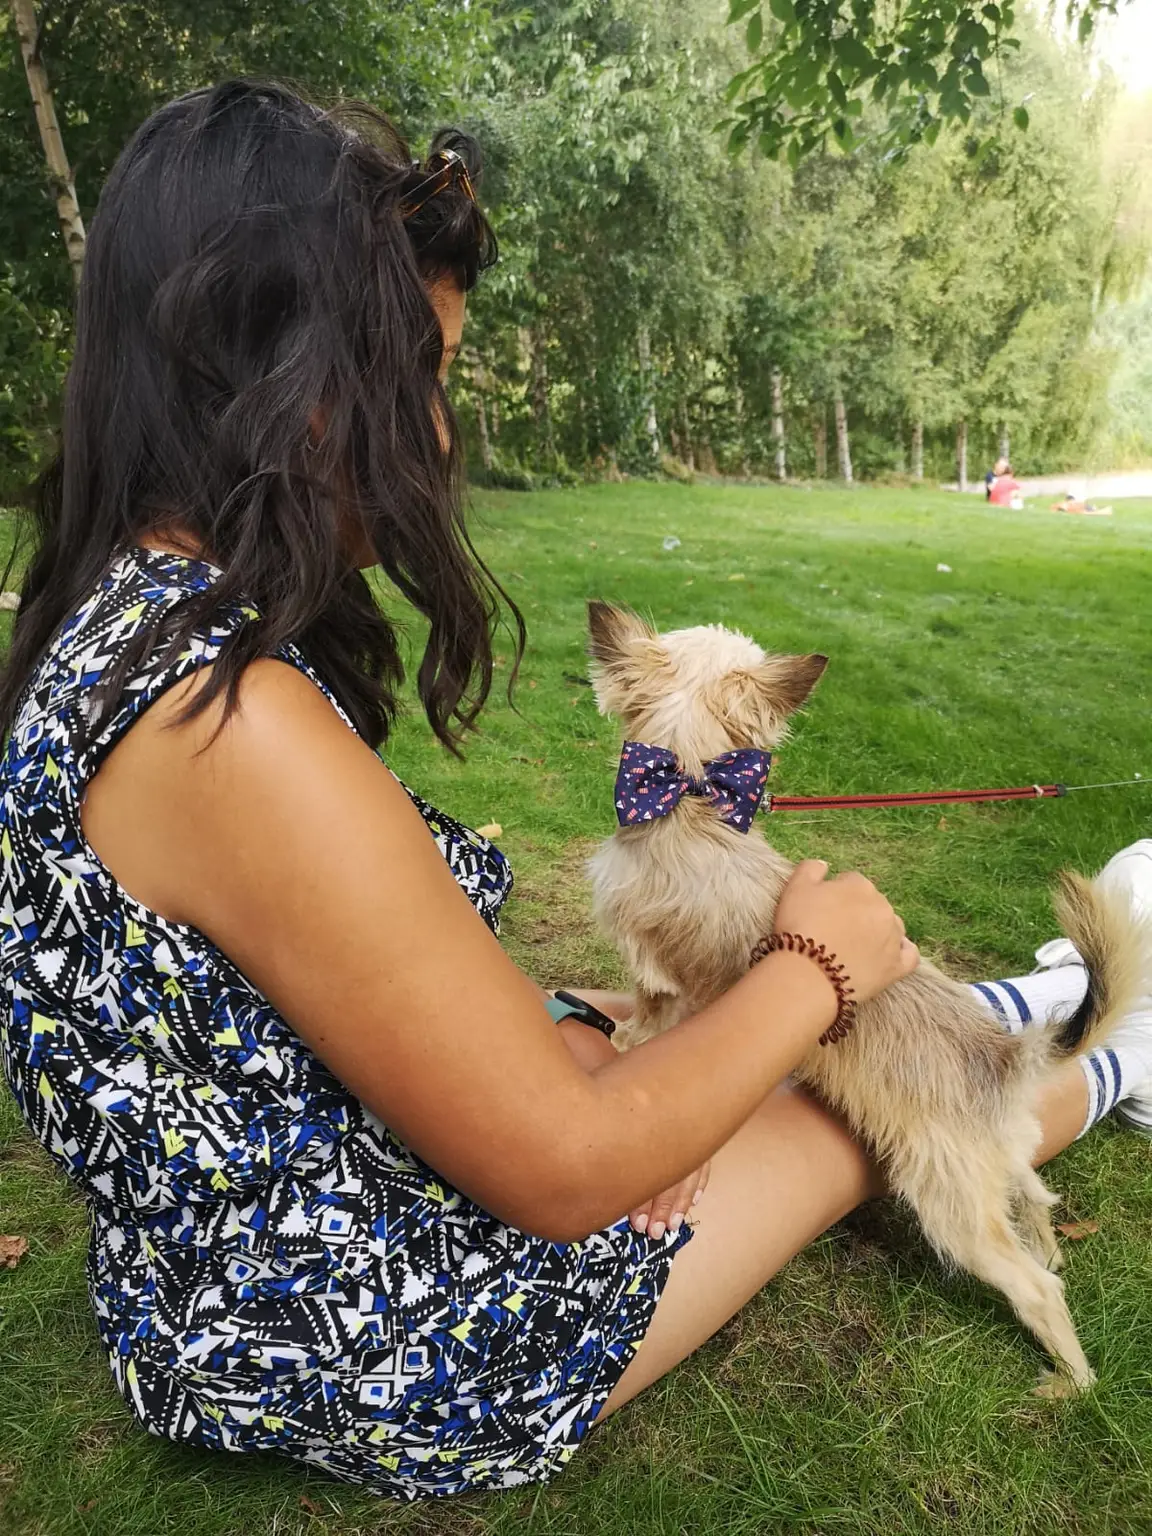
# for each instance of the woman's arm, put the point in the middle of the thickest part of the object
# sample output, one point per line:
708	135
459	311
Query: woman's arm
285	840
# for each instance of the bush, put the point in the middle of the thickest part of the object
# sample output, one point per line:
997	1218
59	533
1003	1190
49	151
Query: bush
33	362
504	474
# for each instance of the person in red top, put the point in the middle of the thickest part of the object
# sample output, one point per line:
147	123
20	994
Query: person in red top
1005	488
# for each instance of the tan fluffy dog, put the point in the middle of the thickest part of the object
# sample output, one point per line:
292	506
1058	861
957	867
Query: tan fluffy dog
941	1093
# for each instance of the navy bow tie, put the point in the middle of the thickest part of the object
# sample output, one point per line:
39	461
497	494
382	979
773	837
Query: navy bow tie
650	783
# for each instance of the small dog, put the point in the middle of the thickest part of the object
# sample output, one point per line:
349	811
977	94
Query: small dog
943	1096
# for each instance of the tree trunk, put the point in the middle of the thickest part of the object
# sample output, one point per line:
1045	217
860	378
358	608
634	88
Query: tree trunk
1005	443
479	388
917	450
820	443
686	453
742	432
843	452
651	427
59	171
540	407
482	432
962	455
778	424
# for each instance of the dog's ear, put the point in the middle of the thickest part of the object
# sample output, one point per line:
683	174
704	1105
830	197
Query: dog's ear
786	682
627	660
754	704
613	631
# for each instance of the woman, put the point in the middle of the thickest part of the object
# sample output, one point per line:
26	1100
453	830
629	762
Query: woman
354	1196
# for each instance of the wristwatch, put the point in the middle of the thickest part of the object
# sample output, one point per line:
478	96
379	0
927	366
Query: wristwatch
566	1005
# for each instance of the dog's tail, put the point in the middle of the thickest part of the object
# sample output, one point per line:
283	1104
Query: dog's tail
1116	947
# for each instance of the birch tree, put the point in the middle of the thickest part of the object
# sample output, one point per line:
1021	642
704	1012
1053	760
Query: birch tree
59	171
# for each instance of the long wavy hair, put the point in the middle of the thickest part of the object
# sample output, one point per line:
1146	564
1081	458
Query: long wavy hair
256	367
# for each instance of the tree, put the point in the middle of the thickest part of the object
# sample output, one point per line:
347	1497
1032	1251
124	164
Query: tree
111	65
926	63
67	208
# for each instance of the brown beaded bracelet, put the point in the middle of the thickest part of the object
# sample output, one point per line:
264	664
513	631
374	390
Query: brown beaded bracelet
798	945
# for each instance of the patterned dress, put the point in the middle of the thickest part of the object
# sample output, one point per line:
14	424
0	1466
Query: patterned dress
270	1269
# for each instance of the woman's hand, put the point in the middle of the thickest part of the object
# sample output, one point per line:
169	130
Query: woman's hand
853	921
666	1212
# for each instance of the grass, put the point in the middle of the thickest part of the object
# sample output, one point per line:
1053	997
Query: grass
864	1391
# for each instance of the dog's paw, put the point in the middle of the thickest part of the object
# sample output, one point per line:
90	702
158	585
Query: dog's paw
1057	1385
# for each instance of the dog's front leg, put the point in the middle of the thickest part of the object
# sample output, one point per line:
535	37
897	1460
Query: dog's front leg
655	1012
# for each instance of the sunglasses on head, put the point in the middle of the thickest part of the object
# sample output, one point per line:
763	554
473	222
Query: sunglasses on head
445	169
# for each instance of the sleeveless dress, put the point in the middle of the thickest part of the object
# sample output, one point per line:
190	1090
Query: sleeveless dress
270	1269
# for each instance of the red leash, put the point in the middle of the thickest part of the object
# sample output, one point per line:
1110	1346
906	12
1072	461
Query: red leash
928	797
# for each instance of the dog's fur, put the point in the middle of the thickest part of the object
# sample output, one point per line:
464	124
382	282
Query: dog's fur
942	1094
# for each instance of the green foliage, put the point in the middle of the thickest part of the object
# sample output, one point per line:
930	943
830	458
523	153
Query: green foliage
652	289
819	64
110	65
1126	333
33	356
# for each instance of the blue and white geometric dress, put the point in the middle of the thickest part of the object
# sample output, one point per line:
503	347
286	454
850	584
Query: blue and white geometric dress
270	1269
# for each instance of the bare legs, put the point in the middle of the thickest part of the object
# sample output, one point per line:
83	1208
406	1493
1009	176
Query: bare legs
789	1172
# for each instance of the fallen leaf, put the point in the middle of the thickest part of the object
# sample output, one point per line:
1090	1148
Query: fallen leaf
12	1250
310	1506
739	576
532	682
490	829
593	545
82	1509
1074	1230
942	823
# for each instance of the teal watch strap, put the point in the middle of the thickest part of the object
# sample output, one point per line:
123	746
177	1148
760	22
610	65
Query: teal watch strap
566	1005
559	1010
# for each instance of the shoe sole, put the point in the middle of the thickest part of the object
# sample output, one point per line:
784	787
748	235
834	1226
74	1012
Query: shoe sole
1129	1119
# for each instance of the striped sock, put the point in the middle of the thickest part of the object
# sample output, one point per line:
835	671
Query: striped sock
1111	1072
1024	1000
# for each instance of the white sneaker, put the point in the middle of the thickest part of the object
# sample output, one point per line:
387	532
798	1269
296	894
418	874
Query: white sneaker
1129	871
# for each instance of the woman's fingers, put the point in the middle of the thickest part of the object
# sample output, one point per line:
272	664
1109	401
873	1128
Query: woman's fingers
702	1181
666	1212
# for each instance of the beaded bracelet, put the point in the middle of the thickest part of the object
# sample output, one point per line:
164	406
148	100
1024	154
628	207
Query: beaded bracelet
798	945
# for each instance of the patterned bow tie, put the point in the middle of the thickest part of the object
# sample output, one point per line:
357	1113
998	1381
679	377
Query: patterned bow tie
650	783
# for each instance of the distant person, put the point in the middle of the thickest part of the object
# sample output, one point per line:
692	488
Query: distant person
1005	490
1001	467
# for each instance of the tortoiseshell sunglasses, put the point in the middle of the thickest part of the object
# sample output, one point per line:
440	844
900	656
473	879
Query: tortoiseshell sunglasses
449	169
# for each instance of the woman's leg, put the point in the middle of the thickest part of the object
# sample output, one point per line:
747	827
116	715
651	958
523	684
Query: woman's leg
789	1172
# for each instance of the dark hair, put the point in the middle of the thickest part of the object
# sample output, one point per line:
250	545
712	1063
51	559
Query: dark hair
256	361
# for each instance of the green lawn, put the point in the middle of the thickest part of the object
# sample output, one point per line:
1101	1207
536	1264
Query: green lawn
865	1391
